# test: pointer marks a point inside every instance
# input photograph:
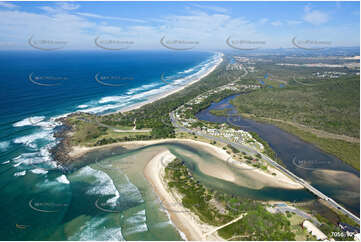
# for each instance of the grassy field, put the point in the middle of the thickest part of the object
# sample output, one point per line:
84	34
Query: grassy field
88	131
301	233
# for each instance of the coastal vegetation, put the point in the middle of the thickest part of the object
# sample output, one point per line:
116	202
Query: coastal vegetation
267	150
292	103
196	197
217	208
259	225
332	106
88	129
349	152
329	219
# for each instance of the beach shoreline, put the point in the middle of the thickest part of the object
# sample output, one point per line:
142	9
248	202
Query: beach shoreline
279	180
183	219
154	173
165	94
64	152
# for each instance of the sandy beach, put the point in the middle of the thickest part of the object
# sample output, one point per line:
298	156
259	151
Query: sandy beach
185	221
279	180
170	92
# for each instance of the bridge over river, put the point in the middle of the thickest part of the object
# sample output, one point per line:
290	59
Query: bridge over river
250	150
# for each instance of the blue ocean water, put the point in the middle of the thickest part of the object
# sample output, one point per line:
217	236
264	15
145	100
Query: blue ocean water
67	83
38	87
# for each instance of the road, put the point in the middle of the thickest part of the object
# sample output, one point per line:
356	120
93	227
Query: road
251	151
133	130
222	226
283	208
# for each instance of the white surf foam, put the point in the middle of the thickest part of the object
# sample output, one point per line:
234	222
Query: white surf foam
20	173
136	229
102	185
163	224
112	99
42	156
183	236
17	164
187	71
137	218
29	121
63	179
39	171
29	140
82	106
101	109
95	230
130	191
4	145
136	223
142	88
146	91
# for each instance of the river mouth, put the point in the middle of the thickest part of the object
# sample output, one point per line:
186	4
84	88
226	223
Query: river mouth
200	162
108	197
303	159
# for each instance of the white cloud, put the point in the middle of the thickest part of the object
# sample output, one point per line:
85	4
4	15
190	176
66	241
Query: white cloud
110	30
213	8
263	20
60	7
315	17
79	29
92	15
68	6
293	22
50	9
276	23
7	5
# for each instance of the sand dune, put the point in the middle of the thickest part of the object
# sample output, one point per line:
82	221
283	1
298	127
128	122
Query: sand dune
185	221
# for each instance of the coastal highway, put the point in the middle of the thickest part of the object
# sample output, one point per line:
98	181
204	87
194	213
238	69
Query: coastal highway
249	150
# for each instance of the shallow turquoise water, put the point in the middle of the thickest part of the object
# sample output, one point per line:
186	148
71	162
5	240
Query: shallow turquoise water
109	198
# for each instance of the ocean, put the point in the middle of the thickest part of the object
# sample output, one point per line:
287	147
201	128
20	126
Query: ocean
40	202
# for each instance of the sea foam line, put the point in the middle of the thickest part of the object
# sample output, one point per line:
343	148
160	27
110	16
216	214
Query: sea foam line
147	91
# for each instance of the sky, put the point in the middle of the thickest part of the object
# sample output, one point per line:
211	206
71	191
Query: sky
177	25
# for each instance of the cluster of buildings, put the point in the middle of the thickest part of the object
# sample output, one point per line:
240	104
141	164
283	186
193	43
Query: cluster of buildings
237	64
243	59
237	136
329	74
347	231
234	67
312	229
230	86
351	65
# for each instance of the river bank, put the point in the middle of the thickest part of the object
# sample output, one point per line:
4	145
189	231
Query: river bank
279	180
185	221
61	151
300	157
